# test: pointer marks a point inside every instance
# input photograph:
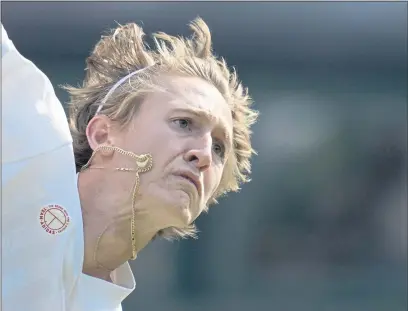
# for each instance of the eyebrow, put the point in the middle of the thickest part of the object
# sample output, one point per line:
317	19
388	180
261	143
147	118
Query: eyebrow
201	113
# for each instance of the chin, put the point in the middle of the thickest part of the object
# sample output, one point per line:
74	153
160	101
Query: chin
179	212
182	206
177	205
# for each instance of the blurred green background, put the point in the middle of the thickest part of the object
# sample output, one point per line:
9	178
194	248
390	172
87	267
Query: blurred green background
323	224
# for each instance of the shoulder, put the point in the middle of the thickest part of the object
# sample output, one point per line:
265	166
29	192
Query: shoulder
33	119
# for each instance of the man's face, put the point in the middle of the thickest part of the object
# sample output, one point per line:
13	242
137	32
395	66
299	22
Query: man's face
188	130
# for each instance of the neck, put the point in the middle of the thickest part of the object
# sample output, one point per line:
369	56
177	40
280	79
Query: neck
107	227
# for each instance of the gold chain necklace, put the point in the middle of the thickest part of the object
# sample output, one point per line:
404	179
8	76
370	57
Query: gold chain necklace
144	163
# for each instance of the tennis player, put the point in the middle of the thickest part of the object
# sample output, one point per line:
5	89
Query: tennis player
154	137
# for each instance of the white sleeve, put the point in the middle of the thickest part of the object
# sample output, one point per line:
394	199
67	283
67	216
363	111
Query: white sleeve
33	120
41	269
38	170
42	243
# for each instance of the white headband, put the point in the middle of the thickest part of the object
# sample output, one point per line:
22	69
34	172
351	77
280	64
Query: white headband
116	86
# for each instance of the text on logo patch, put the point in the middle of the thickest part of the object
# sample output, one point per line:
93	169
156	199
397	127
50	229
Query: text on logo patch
54	219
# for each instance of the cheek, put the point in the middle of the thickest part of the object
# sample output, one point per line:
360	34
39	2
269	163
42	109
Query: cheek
211	181
147	139
164	146
161	142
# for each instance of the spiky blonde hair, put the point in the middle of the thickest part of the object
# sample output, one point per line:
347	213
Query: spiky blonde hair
122	51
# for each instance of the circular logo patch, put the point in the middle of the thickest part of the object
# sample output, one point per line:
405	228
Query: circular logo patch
54	219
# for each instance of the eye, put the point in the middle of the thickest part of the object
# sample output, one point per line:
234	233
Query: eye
182	123
219	149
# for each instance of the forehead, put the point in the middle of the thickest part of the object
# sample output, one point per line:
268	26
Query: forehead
196	94
200	93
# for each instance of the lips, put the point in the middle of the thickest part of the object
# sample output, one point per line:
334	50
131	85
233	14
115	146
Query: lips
191	177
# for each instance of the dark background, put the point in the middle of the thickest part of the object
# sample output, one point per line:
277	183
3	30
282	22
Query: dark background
323	224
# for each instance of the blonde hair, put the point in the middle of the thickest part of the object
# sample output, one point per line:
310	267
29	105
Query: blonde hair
124	51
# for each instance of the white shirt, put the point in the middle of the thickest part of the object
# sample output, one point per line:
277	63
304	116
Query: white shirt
41	268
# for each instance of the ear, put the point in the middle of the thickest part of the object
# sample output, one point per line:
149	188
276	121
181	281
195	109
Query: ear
98	132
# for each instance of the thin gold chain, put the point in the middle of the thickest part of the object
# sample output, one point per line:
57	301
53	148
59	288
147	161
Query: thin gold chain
144	163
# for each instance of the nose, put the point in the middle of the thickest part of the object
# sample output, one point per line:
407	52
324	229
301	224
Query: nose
200	156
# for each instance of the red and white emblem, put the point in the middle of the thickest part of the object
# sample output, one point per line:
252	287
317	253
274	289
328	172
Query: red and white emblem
54	219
